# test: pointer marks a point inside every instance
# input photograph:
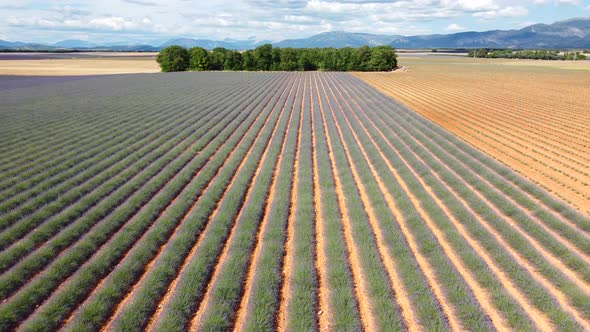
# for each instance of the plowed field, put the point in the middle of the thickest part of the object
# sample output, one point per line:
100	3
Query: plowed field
269	201
531	115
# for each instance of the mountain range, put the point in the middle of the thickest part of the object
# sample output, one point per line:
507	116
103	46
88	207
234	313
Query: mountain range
339	39
574	33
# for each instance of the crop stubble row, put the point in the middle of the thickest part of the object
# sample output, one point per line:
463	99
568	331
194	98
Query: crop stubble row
527	121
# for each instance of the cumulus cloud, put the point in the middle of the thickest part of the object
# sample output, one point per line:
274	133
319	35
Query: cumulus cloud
569	2
142	3
107	23
118	23
509	11
454	27
470	5
557	2
264	19
298	18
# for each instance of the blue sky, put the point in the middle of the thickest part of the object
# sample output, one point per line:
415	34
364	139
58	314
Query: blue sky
155	21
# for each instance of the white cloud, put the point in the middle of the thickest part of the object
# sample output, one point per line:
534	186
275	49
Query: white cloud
264	19
557	2
569	2
108	23
509	11
118	23
142	3
470	5
298	18
454	27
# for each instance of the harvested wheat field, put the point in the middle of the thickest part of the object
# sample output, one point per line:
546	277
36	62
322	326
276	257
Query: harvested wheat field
90	65
271	201
533	116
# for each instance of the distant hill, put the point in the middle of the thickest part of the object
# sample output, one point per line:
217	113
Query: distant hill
132	48
74	43
7	44
211	44
338	39
574	33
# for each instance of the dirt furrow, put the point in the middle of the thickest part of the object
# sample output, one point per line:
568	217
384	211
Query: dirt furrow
283	316
136	286
480	293
417	98
325	315
555	214
537	201
361	288
242	314
547	208
513	158
537	317
494	111
168	295
536	111
573	193
427	269
49	240
64	282
572	275
534	116
206	300
542	322
148	267
517	136
558	295
402	296
555	261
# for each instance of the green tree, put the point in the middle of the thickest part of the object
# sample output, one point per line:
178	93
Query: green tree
233	61
383	58
289	59
306	60
276	59
199	59
328	57
173	58
344	59
263	56
248	60
361	58
478	53
217	58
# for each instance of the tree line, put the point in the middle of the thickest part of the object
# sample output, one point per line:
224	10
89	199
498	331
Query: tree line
269	58
526	54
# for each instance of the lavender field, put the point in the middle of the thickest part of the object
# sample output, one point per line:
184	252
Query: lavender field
268	201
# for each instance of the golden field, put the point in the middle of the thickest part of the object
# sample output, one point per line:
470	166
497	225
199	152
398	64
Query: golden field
531	115
79	66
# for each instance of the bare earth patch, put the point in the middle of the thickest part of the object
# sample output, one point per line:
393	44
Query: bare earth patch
531	115
84	66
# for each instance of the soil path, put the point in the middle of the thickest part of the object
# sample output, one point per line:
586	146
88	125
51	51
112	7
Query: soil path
324	293
242	314
206	301
361	287
288	261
